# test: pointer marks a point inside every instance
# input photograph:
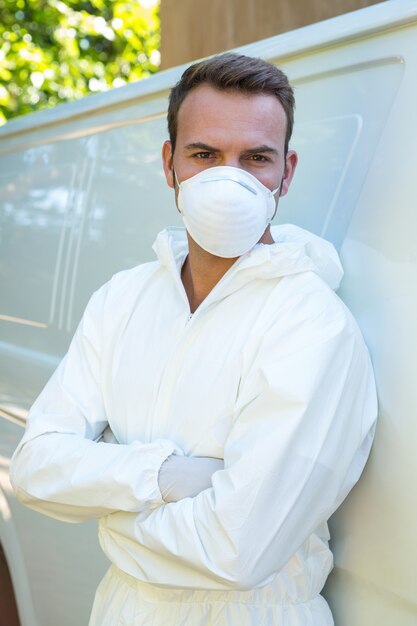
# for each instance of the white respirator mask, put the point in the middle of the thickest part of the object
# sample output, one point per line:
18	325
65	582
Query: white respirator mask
225	209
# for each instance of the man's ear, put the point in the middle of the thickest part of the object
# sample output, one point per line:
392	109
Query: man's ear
167	162
291	161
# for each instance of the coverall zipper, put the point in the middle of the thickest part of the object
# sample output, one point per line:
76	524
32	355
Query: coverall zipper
169	375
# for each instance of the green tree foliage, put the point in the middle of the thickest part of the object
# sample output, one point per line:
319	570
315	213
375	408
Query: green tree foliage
53	51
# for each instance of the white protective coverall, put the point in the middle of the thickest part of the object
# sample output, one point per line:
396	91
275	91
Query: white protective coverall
270	373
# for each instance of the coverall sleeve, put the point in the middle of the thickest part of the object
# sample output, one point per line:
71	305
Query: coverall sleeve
302	432
58	468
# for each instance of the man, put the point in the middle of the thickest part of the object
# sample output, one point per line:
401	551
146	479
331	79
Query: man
232	346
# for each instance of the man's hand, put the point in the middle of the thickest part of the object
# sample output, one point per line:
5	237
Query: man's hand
185	476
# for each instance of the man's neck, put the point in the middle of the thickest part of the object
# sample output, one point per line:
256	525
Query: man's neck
202	271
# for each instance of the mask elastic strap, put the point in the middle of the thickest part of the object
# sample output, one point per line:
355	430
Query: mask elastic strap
178	183
176	177
274	191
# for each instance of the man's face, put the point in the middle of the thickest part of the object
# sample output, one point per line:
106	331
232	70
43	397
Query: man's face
230	128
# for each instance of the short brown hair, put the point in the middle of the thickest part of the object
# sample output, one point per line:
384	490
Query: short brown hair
233	72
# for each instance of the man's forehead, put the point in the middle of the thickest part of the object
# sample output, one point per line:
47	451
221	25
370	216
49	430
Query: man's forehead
207	112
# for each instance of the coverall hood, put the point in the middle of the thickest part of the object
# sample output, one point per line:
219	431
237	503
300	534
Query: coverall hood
295	250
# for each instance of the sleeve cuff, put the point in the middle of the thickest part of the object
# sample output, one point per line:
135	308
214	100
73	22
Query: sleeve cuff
164	450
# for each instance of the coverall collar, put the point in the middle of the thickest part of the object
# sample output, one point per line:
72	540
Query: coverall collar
295	250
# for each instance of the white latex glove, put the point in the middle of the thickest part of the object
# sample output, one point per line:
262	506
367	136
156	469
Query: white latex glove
185	476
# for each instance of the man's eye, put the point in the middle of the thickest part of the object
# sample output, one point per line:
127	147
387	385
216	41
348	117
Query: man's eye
258	157
202	155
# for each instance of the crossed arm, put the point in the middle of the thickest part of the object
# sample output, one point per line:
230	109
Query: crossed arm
301	433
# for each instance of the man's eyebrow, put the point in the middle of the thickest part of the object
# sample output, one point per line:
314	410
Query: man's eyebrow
200	146
263	148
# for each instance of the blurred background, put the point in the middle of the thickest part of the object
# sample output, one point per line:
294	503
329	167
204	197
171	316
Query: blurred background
53	51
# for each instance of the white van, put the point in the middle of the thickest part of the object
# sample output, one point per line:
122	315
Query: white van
82	195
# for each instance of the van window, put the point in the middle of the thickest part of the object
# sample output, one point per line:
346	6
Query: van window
340	116
34	205
128	203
